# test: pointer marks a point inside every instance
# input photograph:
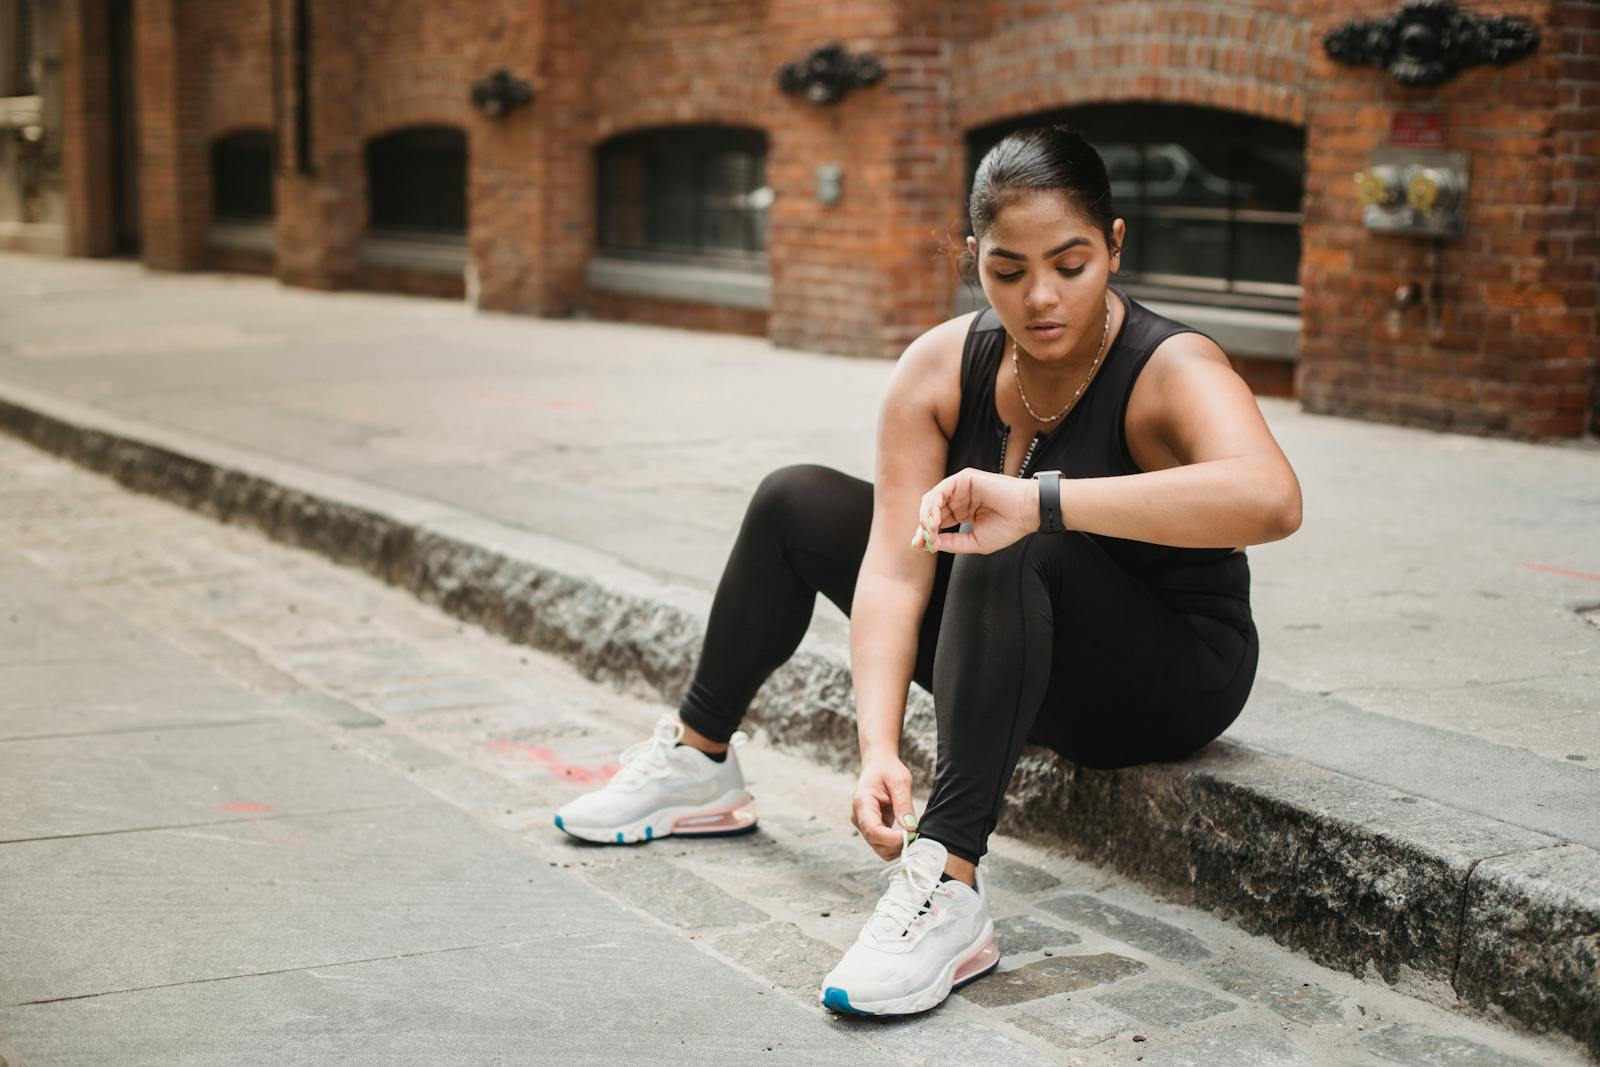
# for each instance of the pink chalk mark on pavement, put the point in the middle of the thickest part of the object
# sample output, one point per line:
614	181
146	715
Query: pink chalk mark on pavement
546	758
1564	572
243	805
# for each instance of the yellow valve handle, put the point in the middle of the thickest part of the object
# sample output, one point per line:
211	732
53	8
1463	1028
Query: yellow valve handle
1423	193
1369	188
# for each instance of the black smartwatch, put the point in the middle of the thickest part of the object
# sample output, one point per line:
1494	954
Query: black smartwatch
1049	501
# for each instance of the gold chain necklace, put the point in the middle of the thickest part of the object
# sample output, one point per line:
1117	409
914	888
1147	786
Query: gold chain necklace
1016	370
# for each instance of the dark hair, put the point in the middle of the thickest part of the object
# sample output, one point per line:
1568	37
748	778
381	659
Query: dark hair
1042	159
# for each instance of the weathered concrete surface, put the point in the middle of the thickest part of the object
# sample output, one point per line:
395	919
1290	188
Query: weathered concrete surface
289	927
1354	873
1531	940
1424	633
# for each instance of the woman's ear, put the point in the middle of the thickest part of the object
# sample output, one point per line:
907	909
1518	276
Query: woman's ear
1119	235
972	246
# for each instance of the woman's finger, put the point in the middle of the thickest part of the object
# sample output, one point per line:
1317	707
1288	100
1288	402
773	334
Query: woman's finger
868	817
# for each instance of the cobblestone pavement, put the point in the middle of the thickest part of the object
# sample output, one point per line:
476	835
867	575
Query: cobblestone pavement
1094	970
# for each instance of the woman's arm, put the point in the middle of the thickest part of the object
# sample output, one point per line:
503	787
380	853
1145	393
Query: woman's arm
1223	480
895	580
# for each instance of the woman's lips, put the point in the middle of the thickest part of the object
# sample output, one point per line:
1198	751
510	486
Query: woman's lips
1047	333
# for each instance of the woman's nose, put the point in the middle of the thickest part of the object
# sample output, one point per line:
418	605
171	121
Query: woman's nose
1040	296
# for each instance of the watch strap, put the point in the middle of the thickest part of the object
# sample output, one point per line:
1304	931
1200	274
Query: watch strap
1049	501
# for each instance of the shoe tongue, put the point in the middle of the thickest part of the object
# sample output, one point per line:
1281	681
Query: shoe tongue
912	885
925	855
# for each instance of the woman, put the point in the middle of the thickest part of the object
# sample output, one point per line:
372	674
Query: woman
1102	611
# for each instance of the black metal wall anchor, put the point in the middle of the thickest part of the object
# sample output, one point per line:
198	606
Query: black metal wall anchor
1428	42
499	93
829	73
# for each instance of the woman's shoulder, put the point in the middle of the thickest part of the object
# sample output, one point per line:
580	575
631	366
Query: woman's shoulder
928	372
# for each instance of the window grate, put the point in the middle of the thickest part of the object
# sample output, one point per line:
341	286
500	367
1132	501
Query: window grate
685	194
1212	199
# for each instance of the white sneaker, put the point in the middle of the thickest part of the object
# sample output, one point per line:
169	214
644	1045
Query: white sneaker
925	938
662	789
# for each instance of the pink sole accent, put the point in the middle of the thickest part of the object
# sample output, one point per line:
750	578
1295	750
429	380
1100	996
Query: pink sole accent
987	956
718	821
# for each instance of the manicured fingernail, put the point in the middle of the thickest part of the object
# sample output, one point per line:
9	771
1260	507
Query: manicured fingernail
910	821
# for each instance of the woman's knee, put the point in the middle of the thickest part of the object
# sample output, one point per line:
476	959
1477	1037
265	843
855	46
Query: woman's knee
789	494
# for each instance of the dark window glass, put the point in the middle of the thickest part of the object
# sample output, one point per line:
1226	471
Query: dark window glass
25	54
690	193
417	180
241	176
1212	198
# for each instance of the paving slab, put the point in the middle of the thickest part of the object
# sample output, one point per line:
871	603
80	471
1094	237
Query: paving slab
1045	977
1140	931
1167	1003
555	999
313	906
150	778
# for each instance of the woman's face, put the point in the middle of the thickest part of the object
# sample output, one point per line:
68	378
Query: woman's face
1044	268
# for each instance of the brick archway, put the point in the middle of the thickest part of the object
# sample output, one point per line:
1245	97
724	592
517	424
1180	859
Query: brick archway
1250	60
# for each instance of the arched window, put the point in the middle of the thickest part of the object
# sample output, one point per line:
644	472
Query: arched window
690	193
417	180
241	177
1212	198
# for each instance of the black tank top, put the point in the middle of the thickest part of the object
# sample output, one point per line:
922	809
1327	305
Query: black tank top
1088	443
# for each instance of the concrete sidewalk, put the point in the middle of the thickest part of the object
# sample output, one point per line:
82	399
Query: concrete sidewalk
195	873
1430	674
258	808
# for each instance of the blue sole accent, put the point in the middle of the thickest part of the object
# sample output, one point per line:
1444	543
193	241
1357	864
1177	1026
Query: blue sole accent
650	833
837	999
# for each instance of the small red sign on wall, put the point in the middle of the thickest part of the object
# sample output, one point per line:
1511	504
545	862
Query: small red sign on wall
1417	129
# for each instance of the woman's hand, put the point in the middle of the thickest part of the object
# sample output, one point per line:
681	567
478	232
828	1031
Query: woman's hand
1002	511
882	804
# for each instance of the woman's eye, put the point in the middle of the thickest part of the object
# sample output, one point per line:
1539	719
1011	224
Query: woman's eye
1070	271
1013	276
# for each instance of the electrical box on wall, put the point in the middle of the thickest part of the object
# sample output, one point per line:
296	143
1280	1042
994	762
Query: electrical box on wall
1421	192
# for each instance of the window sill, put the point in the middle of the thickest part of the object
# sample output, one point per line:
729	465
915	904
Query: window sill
1262	334
242	236
41	238
444	253
19	111
677	281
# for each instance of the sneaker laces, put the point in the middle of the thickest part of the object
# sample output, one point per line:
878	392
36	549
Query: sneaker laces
912	879
651	759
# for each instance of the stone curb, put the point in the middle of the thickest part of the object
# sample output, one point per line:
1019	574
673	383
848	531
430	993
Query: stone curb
1456	907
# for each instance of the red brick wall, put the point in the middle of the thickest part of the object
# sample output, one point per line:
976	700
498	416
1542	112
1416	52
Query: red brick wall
684	314
174	206
1512	348
383	278
380	68
239	261
862	277
1248	57
236	91
86	146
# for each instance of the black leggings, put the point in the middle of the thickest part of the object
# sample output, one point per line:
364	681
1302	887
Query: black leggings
1049	642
